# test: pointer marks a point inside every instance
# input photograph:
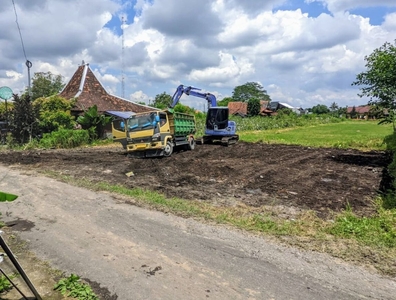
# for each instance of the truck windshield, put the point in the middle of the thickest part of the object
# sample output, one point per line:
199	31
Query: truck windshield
142	122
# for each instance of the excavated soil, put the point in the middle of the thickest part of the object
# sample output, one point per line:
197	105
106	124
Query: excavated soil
254	174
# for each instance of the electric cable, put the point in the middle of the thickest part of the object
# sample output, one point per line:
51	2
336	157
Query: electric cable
28	63
19	30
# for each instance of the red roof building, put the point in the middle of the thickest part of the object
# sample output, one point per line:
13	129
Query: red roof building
86	88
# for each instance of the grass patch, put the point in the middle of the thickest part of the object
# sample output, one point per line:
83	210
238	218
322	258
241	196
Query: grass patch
377	231
361	135
73	287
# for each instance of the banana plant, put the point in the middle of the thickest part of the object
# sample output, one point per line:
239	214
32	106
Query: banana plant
93	119
6	197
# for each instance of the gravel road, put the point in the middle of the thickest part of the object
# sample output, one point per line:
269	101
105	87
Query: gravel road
141	254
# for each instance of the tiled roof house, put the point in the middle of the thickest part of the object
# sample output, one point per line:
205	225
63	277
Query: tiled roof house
240	108
86	88
360	112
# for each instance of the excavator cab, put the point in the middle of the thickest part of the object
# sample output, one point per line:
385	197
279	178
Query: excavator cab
217	118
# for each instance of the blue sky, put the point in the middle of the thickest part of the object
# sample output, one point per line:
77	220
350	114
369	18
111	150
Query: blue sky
304	52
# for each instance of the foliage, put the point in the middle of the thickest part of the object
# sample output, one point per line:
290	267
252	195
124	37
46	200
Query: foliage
378	81
73	287
46	84
54	113
390	188
245	92
353	112
23	120
5	284
333	107
183	109
65	138
94	122
162	101
379	231
389	118
320	109
7	197
253	107
5	109
285	111
224	101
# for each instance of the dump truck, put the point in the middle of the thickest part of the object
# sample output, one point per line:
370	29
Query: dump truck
155	133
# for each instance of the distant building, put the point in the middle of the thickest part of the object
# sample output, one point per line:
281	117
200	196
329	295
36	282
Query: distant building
240	108
359	112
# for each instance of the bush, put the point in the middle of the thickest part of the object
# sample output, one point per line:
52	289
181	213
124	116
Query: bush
65	138
389	199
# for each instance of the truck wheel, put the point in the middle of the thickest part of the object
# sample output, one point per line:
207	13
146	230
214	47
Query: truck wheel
191	144
168	149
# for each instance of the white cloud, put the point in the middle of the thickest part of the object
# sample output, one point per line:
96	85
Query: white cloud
214	45
139	96
344	5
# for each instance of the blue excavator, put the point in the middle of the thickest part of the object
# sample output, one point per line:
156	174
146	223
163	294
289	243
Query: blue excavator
218	129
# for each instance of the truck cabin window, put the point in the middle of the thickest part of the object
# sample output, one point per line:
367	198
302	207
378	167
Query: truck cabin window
162	119
141	122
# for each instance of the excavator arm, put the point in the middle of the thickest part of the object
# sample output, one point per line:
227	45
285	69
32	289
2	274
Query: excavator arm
192	91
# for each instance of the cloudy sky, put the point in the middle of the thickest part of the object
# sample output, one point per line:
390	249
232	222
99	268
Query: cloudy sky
303	52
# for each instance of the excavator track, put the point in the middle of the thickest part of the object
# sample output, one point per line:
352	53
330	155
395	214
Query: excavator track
222	140
229	140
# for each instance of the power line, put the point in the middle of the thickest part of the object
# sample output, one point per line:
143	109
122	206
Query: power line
28	63
19	29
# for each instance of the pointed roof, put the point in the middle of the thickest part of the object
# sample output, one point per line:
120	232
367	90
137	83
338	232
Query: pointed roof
86	88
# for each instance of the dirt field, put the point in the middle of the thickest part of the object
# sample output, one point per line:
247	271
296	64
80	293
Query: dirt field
323	180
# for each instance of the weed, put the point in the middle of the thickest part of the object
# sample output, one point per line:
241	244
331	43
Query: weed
5	285
73	287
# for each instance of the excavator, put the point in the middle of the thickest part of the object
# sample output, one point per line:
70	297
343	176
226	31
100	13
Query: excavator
218	129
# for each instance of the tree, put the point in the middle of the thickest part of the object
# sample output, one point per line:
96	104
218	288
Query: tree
23	120
54	113
249	90
224	101
353	112
162	101
184	109
253	107
379	79
46	84
333	107
320	109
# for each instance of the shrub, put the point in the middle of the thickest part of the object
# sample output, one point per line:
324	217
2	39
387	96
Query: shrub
389	199
65	138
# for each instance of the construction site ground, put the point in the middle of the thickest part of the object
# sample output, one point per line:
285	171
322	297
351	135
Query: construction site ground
288	179
292	178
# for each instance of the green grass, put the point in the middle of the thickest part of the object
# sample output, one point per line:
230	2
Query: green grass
362	135
376	231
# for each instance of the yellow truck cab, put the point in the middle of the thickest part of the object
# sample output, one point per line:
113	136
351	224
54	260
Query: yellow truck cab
155	133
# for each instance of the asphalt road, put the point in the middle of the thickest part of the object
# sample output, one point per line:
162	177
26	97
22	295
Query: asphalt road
142	254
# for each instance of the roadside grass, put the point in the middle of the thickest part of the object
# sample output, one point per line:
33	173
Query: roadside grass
72	286
367	240
353	134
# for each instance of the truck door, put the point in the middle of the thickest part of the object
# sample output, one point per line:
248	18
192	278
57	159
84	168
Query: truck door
119	131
